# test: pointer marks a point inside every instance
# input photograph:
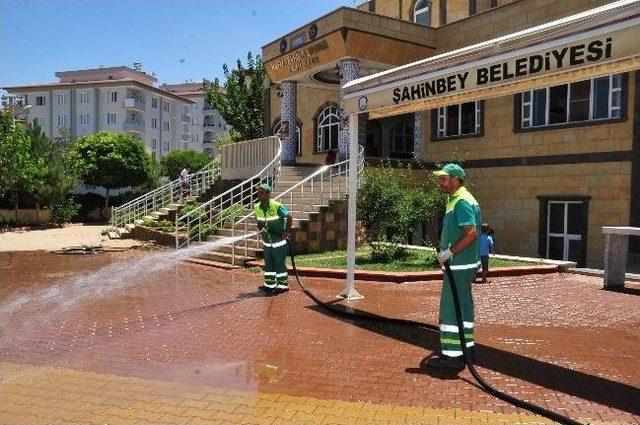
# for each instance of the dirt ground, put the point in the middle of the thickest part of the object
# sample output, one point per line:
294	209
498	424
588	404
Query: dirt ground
58	238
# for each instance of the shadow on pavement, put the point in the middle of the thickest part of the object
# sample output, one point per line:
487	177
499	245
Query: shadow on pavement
556	378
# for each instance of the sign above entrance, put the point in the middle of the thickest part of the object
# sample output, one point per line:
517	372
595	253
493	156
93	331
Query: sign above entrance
300	59
481	78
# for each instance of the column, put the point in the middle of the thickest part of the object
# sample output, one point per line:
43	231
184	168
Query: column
349	292
288	120
349	69
417	136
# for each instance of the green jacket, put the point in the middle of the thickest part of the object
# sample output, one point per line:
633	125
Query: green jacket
271	217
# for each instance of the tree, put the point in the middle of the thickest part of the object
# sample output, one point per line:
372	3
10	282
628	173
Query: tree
395	201
173	163
22	171
58	180
242	98
225	138
111	160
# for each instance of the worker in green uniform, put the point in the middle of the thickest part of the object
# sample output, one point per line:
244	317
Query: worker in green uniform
274	223
459	246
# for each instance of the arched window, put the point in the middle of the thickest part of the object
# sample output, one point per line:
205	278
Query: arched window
276	131
327	129
422	13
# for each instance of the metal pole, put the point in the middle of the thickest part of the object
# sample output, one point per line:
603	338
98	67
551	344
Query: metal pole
349	292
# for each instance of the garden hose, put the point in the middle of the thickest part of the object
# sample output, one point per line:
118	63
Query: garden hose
467	358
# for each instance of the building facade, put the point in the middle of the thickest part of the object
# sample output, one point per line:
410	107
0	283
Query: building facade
550	166
116	99
206	122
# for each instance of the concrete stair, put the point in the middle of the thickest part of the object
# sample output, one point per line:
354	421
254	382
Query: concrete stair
301	204
165	213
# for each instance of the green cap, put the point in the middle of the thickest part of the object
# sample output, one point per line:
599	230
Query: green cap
453	170
265	187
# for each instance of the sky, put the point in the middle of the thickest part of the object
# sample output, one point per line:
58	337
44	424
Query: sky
177	39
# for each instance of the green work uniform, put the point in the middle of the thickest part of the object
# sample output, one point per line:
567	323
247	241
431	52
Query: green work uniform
462	210
272	216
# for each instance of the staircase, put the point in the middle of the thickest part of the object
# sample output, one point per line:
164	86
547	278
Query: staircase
310	193
163	202
302	206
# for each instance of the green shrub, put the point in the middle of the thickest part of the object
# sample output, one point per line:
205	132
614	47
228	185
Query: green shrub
190	210
161	225
63	210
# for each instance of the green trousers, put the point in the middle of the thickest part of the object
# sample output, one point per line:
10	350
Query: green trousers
449	336
275	268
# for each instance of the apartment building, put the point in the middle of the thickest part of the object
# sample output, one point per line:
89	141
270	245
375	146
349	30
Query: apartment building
206	122
118	99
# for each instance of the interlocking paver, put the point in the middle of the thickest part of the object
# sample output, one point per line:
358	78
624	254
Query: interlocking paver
193	343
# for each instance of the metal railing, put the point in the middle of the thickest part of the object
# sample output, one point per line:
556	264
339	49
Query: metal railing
198	223
165	195
329	182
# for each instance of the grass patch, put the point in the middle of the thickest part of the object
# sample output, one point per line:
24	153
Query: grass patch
415	261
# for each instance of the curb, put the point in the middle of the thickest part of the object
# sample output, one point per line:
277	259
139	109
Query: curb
400	277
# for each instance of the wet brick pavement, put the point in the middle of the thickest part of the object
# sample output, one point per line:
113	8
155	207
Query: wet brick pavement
191	344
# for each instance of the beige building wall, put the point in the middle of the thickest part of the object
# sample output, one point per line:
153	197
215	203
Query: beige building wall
508	195
509	16
516	216
501	141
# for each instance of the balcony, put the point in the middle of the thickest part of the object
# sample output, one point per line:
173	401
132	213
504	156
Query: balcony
134	125
209	125
135	103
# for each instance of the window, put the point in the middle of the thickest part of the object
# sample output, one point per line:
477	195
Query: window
113	96
153	155
62	99
154	122
564	230
111	118
41	101
587	100
276	131
459	120
401	138
154	102
165	125
166	106
84	97
166	146
422	13
62	120
84	119
327	129
154	144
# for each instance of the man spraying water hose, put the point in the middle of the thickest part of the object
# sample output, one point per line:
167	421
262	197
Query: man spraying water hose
274	224
459	246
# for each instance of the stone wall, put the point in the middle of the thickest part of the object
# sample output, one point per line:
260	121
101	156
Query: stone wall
326	230
25	216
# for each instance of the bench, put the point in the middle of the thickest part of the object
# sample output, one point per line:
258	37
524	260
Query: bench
616	245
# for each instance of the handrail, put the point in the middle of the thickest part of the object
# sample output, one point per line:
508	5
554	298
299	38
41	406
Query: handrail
200	221
164	195
330	171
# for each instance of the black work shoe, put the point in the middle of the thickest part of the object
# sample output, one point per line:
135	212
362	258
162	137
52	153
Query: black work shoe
445	362
266	289
280	290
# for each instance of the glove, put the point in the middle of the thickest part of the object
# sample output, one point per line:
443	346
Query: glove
443	256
